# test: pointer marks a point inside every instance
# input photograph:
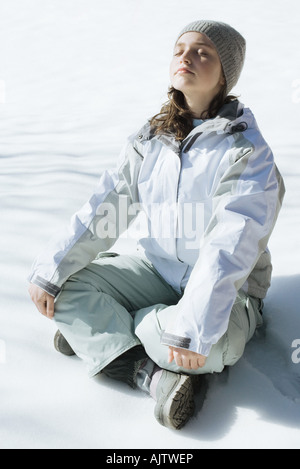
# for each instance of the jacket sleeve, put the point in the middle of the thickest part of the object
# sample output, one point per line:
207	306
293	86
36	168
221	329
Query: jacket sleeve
94	228
246	204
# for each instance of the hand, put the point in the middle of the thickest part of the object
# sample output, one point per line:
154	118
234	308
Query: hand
186	358
42	300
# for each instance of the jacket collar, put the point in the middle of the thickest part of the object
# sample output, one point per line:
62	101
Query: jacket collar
233	117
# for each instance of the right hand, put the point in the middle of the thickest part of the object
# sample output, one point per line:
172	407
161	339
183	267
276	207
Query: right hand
42	300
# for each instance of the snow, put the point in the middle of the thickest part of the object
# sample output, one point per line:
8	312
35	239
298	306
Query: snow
76	78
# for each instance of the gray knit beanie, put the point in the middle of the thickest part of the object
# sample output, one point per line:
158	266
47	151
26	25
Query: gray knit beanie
230	45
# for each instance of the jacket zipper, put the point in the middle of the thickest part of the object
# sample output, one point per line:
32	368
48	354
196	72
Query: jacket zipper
177	196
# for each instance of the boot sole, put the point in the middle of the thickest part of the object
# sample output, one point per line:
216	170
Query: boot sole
176	404
62	346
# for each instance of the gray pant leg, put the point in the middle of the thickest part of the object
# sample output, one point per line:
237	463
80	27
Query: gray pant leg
149	324
93	310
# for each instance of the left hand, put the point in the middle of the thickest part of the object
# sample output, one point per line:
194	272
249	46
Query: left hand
186	358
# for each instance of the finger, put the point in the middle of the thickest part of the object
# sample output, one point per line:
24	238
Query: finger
41	305
201	362
32	295
30	291
50	307
187	363
171	355
195	364
178	359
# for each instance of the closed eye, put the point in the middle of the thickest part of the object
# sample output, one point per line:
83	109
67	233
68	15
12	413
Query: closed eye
178	53
203	53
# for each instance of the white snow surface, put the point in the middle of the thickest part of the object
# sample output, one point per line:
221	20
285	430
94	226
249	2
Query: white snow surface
76	78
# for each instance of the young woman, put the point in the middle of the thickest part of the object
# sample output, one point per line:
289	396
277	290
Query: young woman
191	298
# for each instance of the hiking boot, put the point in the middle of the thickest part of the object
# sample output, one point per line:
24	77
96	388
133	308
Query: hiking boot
174	397
126	367
62	346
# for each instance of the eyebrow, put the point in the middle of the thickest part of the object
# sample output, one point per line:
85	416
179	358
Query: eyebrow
195	43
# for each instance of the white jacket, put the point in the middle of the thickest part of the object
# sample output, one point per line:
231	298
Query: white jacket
210	203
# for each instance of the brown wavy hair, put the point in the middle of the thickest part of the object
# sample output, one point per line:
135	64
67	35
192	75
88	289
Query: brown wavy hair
176	118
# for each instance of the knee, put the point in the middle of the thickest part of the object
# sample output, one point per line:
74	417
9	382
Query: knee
235	347
80	281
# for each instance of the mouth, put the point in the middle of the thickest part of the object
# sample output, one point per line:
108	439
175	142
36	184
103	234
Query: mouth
183	70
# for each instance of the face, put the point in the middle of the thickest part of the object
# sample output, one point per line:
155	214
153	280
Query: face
196	68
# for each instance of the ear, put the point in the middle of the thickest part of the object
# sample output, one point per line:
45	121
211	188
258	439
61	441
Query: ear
222	80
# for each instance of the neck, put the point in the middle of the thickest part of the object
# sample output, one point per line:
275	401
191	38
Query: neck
198	105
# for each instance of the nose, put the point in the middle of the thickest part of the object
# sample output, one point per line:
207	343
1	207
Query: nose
186	58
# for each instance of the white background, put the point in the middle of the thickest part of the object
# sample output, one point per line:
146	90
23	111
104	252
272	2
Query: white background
77	77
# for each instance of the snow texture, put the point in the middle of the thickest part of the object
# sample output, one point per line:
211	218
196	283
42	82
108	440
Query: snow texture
76	78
